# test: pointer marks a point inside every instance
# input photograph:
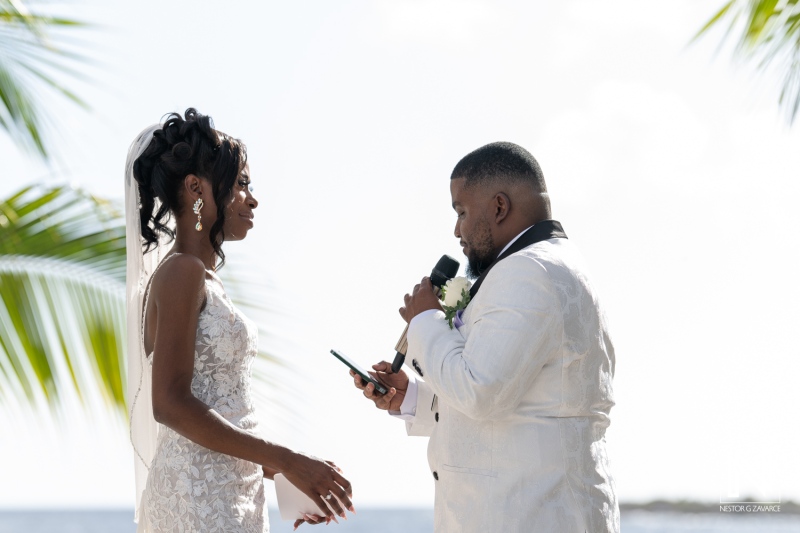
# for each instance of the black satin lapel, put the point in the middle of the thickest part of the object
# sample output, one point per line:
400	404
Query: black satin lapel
541	231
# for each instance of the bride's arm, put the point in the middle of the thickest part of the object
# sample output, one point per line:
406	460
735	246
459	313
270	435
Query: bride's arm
178	293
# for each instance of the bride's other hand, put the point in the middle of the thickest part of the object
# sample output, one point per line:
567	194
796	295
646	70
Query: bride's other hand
321	481
312	519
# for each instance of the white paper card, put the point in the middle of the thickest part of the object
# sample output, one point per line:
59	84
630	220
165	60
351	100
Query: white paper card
292	502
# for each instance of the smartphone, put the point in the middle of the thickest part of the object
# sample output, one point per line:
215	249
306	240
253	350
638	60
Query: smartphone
365	377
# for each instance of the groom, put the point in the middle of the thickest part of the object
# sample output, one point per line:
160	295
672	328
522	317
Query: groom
516	397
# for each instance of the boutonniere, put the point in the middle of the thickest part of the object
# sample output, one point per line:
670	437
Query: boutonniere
455	297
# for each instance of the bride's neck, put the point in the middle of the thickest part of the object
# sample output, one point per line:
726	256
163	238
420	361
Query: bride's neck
197	245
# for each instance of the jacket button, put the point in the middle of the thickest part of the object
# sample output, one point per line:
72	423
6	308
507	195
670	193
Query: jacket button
437	417
435	475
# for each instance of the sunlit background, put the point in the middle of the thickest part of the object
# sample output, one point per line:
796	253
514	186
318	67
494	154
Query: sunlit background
670	165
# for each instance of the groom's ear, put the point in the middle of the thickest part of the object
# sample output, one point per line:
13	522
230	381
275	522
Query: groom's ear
502	205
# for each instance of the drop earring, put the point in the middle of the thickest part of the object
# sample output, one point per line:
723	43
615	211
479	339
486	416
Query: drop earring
198	205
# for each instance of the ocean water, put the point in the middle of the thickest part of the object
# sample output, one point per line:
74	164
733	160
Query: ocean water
400	521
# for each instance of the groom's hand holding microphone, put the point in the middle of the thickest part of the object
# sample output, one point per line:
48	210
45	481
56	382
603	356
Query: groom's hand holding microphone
422	298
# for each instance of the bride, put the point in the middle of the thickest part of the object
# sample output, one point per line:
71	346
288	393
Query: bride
200	461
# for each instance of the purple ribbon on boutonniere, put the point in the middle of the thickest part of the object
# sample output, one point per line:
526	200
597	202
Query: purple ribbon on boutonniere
457	322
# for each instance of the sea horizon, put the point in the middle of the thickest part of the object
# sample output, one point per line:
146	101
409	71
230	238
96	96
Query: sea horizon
655	505
403	520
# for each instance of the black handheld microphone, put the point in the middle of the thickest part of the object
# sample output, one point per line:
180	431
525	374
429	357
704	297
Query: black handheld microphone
444	271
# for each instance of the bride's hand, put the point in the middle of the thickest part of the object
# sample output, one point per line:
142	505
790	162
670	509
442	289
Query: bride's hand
312	519
321	481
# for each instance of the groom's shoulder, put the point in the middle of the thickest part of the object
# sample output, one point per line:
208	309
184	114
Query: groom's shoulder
537	264
529	266
541	255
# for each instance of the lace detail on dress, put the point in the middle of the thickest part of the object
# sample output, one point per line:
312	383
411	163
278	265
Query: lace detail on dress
191	488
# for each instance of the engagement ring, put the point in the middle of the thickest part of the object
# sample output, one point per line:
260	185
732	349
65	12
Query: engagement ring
328	497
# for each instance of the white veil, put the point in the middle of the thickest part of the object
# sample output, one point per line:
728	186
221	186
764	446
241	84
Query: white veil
140	266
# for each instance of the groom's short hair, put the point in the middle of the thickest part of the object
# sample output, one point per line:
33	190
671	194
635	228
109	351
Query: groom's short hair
500	162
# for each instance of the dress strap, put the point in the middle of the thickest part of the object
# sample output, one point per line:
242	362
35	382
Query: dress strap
214	276
147	299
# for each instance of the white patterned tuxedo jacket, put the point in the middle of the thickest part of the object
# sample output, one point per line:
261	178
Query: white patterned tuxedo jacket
517	401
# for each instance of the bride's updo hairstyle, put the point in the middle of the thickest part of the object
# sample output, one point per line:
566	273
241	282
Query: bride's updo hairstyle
185	145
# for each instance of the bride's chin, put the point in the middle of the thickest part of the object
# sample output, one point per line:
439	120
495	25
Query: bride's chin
238	235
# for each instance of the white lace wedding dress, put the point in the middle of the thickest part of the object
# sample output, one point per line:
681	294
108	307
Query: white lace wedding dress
191	488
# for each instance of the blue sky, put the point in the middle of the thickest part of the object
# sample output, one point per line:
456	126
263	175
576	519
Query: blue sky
669	165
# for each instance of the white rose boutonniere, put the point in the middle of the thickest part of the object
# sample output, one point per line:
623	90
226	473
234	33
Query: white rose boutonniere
455	297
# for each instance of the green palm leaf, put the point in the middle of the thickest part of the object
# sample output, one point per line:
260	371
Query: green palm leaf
55	316
62	294
62	297
769	36
29	54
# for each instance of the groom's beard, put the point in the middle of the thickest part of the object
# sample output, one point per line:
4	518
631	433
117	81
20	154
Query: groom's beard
481	250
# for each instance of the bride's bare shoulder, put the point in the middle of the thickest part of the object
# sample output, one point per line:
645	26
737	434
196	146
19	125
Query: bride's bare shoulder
180	275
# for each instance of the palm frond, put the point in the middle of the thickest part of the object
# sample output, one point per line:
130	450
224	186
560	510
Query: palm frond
62	294
769	35
29	52
61	324
713	21
64	223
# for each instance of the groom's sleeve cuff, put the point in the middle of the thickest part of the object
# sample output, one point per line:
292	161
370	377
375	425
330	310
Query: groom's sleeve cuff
421	316
408	409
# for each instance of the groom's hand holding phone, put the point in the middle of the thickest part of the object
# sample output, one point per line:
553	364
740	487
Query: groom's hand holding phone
422	298
397	383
